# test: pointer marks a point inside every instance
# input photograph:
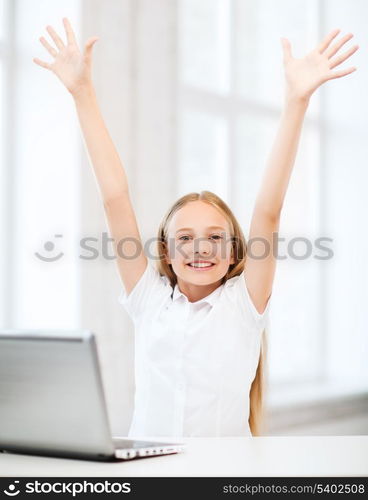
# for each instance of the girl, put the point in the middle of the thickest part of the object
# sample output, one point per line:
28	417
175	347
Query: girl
200	315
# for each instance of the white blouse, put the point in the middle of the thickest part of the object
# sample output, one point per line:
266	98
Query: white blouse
194	361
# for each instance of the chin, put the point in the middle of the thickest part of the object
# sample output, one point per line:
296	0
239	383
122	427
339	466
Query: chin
211	275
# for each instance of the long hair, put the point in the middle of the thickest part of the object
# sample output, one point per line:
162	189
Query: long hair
257	392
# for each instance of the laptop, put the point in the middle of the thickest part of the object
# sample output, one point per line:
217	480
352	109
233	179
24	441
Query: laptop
52	400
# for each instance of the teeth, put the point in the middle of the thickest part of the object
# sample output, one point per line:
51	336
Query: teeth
200	265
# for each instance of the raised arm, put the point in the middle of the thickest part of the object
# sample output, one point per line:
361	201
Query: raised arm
303	77
73	68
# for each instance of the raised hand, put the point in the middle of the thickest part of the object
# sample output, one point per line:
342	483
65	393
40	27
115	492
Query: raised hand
71	66
305	75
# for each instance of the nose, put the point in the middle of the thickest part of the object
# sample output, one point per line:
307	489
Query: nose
203	247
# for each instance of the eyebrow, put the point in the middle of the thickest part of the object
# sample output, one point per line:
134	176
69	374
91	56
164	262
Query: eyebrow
190	228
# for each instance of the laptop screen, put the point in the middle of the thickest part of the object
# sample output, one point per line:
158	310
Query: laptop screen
51	392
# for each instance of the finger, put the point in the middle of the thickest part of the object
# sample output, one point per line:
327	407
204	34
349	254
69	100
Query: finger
69	32
88	47
338	60
46	44
286	47
332	50
338	74
58	41
327	40
41	63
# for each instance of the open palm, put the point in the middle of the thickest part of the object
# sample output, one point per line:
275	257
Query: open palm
305	75
71	66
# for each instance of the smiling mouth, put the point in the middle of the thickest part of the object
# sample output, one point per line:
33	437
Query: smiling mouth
200	268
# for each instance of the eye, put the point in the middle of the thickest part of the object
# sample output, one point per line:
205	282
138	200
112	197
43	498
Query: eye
216	236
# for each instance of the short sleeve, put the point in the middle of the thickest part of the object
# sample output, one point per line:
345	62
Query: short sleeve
147	291
239	288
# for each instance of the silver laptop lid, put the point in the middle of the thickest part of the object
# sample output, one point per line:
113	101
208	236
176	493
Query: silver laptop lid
51	393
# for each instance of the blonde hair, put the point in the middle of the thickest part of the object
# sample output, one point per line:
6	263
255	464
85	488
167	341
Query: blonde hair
257	392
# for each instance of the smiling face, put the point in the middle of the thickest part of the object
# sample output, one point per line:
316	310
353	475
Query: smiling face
198	231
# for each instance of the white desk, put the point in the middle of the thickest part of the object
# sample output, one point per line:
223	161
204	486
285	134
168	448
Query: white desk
249	456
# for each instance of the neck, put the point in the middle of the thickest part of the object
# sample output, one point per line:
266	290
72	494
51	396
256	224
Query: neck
195	292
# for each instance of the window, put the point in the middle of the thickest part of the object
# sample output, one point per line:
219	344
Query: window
41	174
230	99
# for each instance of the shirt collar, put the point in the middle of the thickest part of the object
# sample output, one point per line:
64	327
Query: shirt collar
210	299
